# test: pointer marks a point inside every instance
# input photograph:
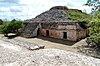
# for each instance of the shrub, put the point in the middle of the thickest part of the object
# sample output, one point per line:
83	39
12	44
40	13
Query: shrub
11	27
94	30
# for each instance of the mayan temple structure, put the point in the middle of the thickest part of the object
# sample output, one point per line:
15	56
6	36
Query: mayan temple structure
55	23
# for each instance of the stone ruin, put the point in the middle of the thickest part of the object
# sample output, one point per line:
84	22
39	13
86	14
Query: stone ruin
55	23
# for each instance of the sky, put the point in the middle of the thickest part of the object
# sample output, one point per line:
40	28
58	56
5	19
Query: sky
27	9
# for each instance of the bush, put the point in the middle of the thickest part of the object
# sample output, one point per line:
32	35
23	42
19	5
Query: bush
93	41
5	29
94	30
11	27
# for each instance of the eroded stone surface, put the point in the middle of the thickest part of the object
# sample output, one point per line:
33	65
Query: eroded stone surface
45	57
42	57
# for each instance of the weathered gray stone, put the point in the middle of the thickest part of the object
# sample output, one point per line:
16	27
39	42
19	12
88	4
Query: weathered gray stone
9	56
34	48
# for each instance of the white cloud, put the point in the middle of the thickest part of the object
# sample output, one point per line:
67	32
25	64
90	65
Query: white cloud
9	1
47	4
31	8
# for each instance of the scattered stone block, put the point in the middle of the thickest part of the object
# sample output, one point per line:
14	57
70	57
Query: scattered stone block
34	48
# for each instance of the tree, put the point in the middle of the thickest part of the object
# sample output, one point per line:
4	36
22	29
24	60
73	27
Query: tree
11	27
5	29
1	21
94	29
95	4
17	25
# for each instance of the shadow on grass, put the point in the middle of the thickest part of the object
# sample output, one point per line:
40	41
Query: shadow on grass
65	42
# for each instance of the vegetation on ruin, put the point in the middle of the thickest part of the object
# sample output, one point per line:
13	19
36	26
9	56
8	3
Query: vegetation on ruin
75	14
59	8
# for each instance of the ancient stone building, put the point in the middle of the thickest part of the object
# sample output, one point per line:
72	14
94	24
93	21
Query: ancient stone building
55	23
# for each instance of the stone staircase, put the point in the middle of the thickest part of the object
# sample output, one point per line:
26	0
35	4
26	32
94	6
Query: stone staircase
29	29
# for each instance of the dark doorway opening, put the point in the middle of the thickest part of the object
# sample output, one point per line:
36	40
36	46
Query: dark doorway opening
38	32
47	32
65	35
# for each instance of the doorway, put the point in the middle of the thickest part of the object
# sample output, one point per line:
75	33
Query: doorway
65	35
38	32
47	32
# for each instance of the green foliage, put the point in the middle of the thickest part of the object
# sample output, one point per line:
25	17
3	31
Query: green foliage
95	5
5	29
15	25
1	21
75	14
65	7
11	27
95	39
94	29
96	15
95	24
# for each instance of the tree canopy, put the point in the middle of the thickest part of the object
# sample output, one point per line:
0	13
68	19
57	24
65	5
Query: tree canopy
94	24
95	4
11	27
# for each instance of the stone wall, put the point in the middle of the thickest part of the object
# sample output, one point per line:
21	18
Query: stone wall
30	30
52	33
42	32
71	34
81	34
66	27
74	32
55	34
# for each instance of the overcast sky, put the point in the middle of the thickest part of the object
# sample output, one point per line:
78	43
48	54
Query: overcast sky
25	9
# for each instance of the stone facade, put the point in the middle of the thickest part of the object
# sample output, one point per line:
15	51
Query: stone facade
71	32
54	23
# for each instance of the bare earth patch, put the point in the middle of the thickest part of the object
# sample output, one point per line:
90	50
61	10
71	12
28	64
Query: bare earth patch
50	44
